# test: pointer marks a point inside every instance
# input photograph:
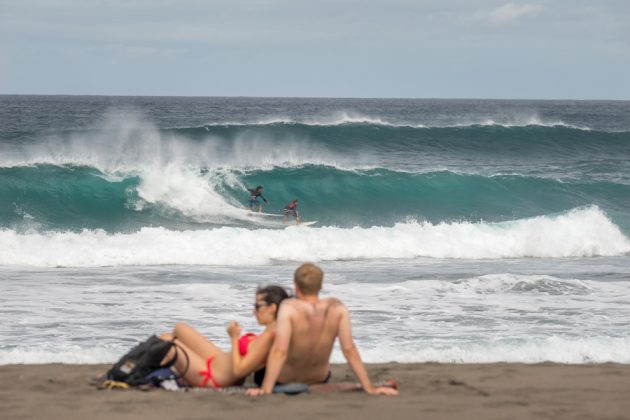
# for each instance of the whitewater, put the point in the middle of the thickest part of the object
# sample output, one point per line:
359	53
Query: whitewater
454	230
580	233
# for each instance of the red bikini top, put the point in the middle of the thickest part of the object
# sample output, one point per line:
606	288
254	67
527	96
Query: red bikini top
244	341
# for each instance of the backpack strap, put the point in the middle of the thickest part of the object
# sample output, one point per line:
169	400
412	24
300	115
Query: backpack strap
174	360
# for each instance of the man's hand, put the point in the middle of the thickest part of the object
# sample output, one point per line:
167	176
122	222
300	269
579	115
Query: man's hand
255	392
382	390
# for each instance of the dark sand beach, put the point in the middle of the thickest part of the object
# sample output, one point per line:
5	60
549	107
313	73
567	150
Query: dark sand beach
427	390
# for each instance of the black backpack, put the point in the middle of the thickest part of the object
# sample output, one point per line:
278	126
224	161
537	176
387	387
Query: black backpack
135	366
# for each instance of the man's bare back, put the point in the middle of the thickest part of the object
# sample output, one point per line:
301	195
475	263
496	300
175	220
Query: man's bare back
314	328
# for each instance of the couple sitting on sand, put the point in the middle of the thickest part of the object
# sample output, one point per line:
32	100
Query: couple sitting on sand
295	346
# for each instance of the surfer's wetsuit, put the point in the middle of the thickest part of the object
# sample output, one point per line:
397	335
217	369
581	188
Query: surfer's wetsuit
291	209
253	197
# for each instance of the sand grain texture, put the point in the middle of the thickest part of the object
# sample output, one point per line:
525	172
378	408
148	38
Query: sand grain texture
427	391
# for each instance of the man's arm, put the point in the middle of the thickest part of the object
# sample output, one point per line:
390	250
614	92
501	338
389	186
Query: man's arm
350	351
351	354
279	350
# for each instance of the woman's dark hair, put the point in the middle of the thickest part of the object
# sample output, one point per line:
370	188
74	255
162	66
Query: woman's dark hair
273	294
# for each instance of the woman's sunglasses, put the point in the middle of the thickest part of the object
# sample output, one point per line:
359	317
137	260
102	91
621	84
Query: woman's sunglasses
257	305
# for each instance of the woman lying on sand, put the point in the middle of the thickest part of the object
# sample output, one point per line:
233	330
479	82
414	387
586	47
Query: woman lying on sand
209	366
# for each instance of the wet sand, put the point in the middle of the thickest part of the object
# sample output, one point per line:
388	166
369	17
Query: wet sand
427	390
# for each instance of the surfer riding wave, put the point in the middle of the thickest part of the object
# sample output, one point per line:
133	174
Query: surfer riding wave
253	198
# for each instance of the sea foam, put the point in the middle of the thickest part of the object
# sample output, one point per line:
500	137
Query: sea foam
552	349
581	232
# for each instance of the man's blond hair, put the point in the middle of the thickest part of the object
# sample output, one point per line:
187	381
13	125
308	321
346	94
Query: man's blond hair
308	278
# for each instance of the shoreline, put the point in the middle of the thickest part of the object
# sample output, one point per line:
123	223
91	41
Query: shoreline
427	390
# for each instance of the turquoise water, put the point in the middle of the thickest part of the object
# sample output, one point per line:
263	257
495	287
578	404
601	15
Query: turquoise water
123	171
76	197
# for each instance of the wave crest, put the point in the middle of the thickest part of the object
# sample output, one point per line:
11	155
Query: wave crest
345	118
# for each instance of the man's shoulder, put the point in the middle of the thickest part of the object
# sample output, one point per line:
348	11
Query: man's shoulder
329	303
333	305
333	301
290	303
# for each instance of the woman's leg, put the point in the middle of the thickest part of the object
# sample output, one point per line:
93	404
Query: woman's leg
188	364
187	335
199	349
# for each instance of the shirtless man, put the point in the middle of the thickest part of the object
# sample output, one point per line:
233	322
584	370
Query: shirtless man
306	330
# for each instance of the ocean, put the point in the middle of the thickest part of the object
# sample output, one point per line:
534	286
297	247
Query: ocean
454	230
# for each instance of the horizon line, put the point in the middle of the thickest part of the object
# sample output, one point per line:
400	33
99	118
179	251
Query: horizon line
316	97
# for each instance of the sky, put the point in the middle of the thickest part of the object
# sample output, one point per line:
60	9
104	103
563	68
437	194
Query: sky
546	49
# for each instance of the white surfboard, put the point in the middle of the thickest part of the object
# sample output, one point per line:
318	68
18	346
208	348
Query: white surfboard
257	214
309	223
